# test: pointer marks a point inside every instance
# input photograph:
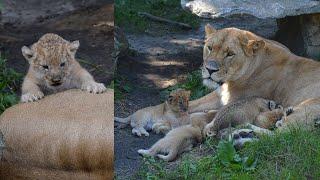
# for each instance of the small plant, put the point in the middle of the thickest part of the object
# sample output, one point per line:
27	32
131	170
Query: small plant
121	86
192	83
8	85
126	13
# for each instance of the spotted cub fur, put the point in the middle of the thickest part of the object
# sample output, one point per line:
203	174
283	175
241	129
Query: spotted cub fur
53	68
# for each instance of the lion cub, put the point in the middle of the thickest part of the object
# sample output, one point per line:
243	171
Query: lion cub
161	118
257	111
53	68
181	139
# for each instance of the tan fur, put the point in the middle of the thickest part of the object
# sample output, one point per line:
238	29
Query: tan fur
53	68
75	136
257	111
180	139
161	118
258	67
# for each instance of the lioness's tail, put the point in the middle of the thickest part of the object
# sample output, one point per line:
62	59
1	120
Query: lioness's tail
122	120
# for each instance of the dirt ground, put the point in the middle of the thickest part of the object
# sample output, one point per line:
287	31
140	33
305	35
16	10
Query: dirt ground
159	62
92	26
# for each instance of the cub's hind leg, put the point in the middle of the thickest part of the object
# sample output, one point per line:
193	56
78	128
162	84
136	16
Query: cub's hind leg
268	119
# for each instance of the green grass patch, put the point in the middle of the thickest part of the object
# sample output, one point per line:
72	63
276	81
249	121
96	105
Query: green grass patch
126	13
121	86
192	83
8	85
293	154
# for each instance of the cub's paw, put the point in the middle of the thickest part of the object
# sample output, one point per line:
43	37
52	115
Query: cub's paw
160	128
289	110
144	152
139	132
207	131
94	87
30	97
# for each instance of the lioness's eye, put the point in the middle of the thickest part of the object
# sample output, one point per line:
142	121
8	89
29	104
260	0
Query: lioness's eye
45	66
230	54
209	48
62	64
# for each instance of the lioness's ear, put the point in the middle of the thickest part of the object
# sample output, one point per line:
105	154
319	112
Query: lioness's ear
209	30
74	46
250	47
27	53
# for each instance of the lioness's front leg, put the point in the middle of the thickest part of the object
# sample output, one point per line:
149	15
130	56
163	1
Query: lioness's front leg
208	102
87	83
30	91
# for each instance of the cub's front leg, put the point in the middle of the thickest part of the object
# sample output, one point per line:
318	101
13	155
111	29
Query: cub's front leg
30	91
87	83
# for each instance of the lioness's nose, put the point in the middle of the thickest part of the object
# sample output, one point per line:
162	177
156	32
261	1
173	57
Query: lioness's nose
212	66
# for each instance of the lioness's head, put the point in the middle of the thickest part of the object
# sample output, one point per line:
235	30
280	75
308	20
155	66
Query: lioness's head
178	100
228	55
50	58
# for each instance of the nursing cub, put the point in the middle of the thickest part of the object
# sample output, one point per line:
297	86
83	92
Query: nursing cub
161	118
53	68
260	112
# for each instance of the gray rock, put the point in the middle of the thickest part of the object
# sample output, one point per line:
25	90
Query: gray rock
18	12
259	8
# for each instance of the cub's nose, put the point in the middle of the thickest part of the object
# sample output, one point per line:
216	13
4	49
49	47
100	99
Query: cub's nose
212	66
56	80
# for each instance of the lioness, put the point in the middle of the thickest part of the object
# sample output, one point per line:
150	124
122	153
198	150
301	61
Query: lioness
180	139
257	111
249	65
161	118
53	68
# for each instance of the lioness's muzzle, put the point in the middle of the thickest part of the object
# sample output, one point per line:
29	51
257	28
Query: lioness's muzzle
212	66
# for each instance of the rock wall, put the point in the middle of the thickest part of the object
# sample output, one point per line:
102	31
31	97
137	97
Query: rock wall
17	12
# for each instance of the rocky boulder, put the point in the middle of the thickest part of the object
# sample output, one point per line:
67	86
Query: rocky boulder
258	8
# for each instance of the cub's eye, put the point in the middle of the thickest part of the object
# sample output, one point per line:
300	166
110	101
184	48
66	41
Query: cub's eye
209	48
45	67
230	54
62	64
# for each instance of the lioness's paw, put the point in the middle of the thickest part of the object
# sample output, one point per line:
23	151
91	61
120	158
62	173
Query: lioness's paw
289	110
94	87
279	123
272	105
30	97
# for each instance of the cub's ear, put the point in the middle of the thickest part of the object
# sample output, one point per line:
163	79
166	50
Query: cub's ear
209	30
74	45
170	99
188	93
250	47
27	53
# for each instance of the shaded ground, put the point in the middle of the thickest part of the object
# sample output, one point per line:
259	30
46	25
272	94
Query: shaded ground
93	27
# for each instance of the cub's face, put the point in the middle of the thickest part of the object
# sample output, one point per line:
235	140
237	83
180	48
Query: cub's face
178	100
227	55
51	58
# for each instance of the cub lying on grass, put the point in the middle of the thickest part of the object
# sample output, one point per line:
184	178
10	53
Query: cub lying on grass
181	139
53	68
256	111
161	118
